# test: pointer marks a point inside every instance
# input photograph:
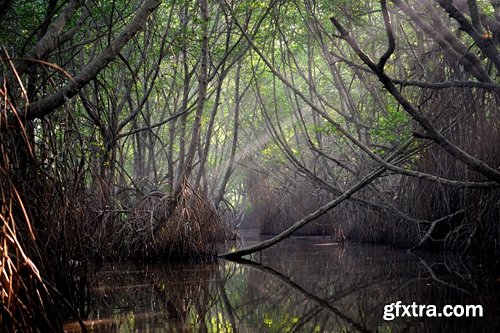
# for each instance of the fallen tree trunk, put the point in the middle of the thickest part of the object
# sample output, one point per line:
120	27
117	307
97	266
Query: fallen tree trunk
311	217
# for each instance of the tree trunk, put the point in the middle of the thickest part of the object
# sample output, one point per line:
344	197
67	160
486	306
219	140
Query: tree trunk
202	95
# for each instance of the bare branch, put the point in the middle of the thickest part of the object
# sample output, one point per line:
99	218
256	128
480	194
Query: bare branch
307	219
449	84
472	162
390	37
46	106
484	42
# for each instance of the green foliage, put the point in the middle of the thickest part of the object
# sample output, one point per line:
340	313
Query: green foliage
325	128
392	126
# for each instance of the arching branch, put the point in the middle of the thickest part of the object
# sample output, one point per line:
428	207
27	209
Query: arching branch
50	103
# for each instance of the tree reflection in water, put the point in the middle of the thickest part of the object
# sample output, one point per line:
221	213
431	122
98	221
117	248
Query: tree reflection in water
302	285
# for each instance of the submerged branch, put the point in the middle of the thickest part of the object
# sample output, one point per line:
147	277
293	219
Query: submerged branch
307	219
321	302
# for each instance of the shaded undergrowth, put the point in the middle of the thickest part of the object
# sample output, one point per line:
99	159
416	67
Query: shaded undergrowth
57	227
398	209
279	202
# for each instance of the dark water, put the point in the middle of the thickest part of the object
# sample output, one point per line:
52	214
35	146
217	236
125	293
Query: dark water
301	285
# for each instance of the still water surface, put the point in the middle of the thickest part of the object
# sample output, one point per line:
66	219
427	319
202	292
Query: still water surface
305	284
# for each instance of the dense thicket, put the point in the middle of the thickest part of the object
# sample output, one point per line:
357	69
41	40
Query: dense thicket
147	130
416	95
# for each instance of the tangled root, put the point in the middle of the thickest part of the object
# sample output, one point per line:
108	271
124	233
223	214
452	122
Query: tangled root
193	229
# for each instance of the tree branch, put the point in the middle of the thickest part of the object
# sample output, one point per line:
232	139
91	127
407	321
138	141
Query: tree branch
449	84
390	37
472	162
47	105
447	41
484	42
307	219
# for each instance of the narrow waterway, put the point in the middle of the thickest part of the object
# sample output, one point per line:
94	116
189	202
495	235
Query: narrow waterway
305	284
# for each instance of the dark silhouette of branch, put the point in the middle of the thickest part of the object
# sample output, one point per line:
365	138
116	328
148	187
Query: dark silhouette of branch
446	40
310	296
47	105
390	37
307	219
472	162
484	42
448	84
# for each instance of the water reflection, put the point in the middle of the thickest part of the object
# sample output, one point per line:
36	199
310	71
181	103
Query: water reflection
302	285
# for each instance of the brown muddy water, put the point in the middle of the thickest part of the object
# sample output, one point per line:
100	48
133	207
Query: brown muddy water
304	284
